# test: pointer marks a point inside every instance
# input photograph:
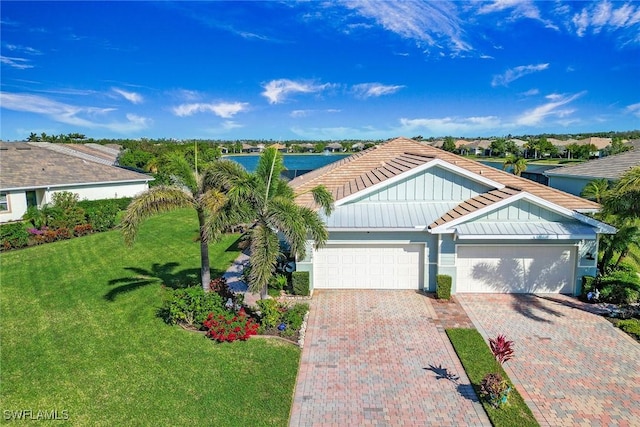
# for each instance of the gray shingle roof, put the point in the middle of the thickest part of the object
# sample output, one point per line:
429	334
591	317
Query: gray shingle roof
32	166
611	167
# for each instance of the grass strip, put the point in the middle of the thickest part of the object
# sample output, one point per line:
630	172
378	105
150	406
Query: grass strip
477	360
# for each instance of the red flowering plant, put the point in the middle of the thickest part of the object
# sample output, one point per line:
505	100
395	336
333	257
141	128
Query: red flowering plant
501	348
230	326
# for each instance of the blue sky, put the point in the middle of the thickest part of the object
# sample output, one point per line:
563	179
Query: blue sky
318	70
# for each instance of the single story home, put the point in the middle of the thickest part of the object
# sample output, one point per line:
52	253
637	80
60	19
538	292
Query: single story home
573	178
30	173
406	212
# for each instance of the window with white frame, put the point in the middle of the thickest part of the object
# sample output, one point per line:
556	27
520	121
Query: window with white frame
4	202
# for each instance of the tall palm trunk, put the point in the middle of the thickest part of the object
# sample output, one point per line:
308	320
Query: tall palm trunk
205	269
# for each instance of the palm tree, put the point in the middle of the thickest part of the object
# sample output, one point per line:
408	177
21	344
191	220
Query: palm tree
595	190
624	198
189	189
267	202
518	163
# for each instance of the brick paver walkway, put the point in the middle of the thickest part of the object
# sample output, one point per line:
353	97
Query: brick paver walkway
572	367
380	358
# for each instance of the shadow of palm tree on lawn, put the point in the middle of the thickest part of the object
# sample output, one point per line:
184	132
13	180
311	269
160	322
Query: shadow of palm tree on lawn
158	274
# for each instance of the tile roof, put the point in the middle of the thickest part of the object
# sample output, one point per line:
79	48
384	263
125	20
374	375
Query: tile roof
25	165
384	161
82	151
610	167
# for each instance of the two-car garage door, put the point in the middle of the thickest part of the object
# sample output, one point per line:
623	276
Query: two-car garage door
384	266
515	269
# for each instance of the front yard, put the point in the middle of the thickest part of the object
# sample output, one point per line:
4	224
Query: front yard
80	333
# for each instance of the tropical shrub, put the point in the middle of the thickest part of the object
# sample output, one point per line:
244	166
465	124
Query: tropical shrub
230	326
620	287
443	286
300	281
13	235
221	287
588	285
82	230
279	282
630	326
495	389
190	306
501	348
102	216
281	319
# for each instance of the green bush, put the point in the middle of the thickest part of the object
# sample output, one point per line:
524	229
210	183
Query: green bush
278	282
274	313
630	326
443	286
300	281
620	287
191	306
588	283
13	235
102	214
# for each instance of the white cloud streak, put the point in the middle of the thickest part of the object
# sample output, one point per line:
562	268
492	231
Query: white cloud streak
516	73
277	91
634	109
368	90
553	108
19	63
225	110
70	114
133	97
605	16
429	24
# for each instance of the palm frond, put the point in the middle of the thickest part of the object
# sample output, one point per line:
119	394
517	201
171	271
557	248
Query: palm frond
323	198
270	165
315	227
179	168
151	202
284	215
265	249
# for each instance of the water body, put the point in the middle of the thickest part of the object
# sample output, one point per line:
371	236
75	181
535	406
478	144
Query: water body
291	161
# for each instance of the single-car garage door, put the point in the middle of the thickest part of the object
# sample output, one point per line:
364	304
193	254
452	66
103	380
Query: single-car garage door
368	267
515	269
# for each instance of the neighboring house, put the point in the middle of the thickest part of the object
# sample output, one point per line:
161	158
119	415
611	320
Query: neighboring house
30	173
248	148
406	212
280	147
573	178
333	147
358	146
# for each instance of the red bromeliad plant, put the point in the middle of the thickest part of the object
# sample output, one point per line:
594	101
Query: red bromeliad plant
501	348
230	327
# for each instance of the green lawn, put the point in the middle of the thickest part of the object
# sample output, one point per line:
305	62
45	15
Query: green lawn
79	333
477	360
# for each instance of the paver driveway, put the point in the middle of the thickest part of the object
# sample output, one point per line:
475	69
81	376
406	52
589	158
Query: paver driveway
380	358
572	367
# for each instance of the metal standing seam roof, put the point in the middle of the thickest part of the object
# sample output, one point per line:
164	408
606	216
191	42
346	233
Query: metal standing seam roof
522	229
31	166
610	167
385	215
384	161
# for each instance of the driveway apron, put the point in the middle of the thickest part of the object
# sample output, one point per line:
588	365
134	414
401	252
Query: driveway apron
380	358
572	367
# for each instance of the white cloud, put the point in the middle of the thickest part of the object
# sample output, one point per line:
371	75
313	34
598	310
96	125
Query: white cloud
276	91
24	49
517	9
516	73
531	92
306	113
634	109
19	63
605	16
449	125
552	108
223	109
367	90
70	114
427	23
133	97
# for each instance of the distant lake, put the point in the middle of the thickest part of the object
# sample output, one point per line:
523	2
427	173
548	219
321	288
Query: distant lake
291	161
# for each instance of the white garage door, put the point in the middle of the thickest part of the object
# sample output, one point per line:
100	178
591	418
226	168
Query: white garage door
515	269
368	267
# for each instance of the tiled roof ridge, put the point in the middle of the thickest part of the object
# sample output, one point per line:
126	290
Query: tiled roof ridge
475	203
71	152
